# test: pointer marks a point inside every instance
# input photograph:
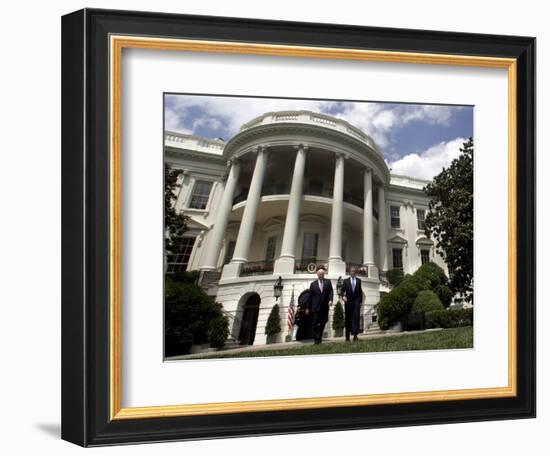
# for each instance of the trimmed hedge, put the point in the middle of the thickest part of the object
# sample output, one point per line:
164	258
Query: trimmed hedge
394	276
398	303
432	274
218	331
338	319
427	301
450	318
273	325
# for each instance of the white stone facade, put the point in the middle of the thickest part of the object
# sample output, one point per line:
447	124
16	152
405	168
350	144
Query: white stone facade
293	190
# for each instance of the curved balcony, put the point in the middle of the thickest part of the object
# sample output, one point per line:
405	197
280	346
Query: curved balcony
312	118
325	191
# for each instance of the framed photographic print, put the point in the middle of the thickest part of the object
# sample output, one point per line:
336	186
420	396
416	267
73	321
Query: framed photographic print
277	227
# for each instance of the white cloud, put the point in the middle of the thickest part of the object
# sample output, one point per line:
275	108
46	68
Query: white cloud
434	115
429	163
186	112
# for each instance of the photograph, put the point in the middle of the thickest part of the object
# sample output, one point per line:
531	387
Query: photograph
299	227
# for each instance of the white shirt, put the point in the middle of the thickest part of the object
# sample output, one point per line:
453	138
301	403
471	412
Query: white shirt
320	284
353	284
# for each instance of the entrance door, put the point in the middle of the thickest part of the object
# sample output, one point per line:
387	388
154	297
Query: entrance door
249	320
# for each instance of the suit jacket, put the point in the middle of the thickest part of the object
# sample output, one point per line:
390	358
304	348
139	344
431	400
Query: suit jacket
355	297
318	301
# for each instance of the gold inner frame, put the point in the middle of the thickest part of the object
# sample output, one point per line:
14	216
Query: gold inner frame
117	44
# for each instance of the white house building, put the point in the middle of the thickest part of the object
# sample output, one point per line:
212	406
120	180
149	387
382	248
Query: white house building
290	191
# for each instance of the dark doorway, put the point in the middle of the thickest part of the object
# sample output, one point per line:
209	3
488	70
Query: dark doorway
249	320
305	322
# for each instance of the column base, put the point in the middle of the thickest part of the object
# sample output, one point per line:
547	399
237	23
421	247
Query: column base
372	271
284	265
336	267
231	271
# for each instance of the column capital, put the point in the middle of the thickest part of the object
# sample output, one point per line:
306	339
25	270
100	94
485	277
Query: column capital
264	148
341	155
303	147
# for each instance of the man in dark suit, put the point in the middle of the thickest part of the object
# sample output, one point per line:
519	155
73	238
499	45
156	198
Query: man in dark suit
353	298
320	299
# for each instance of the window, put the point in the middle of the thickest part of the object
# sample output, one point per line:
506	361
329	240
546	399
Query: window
178	262
397	257
229	251
424	255
421	219
309	247
394	215
270	249
200	195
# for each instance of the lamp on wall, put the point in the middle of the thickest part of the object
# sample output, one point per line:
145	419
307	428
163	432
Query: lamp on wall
278	288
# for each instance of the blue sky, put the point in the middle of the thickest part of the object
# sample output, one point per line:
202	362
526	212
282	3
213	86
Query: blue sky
416	139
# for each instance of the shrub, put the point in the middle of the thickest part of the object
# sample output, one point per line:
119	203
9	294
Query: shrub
188	310
432	274
398	303
450	318
338	320
218	331
185	276
273	325
427	301
394	276
445	294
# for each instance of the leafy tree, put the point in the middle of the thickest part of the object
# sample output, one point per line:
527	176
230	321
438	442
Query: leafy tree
273	325
445	294
450	219
175	224
188	311
338	320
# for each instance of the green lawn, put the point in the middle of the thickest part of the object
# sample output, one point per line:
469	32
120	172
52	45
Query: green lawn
433	340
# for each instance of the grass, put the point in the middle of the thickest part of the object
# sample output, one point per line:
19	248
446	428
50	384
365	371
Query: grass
433	340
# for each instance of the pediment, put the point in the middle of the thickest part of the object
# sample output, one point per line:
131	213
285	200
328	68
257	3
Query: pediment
398	240
423	240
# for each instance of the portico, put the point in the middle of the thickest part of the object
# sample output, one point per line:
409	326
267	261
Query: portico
291	191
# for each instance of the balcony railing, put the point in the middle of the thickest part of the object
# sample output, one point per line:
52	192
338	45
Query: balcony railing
361	269
257	268
309	265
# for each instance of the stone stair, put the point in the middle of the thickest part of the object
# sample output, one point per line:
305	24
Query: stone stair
374	329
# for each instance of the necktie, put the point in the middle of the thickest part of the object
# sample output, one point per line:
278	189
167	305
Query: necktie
321	285
353	285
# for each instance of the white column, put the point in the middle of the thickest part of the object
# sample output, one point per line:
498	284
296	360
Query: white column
285	262
368	231
246	230
382	230
335	264
217	234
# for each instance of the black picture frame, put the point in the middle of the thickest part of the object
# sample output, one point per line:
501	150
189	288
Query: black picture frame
85	228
